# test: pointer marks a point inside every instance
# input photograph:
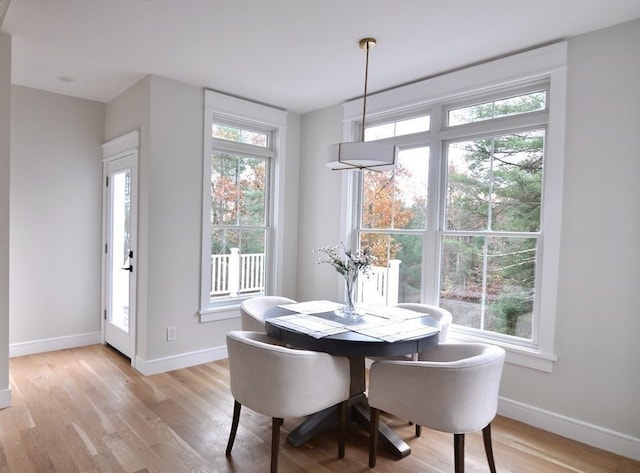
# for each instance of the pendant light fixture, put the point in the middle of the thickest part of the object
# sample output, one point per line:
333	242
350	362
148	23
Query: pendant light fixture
361	155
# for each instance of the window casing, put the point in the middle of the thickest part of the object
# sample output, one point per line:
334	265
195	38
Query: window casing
242	172
482	267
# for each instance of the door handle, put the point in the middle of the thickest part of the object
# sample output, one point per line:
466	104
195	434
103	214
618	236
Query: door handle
129	268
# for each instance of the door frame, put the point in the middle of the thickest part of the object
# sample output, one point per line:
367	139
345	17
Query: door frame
124	146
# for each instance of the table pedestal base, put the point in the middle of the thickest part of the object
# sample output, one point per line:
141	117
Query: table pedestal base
386	437
359	412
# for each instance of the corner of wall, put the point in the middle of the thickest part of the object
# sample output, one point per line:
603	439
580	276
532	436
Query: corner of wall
5	155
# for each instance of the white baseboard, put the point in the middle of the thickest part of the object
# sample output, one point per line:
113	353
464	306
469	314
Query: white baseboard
183	360
53	344
5	398
580	431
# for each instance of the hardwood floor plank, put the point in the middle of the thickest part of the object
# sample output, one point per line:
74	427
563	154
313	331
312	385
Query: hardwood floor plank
86	410
14	458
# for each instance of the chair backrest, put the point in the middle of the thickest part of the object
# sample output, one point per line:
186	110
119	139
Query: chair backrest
252	310
283	382
443	316
455	391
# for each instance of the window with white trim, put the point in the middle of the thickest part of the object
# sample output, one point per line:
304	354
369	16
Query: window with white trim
468	219
240	194
484	208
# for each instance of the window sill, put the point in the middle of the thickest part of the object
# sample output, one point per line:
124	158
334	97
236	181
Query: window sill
516	355
214	314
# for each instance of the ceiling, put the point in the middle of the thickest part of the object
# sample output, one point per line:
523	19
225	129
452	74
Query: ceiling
299	55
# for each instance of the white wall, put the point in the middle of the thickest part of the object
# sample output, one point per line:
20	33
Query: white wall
291	207
596	379
592	394
169	115
55	219
320	202
5	128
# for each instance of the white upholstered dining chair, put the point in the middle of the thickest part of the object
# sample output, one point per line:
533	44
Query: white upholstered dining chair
284	382
252	310
443	316
455	391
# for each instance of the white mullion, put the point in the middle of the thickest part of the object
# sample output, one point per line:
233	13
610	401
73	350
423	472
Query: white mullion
435	209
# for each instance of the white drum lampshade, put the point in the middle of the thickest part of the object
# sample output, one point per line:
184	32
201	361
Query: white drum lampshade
362	155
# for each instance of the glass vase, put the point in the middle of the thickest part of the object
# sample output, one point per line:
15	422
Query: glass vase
348	311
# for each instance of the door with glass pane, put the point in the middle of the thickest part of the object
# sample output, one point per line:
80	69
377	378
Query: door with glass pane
120	253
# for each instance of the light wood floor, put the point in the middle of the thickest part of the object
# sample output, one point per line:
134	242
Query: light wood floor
87	410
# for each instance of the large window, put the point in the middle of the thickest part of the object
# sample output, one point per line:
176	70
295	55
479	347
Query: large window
467	219
486	216
242	161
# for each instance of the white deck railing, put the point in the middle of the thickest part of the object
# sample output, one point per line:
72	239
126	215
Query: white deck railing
235	274
380	287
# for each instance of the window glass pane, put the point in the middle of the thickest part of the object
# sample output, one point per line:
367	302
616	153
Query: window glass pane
411	178
469	176
488	283
396	276
499	108
397	198
408	258
237	190
398	128
224	247
495	183
240	135
252	262
516	195
378	132
377	199
252	191
224	188
223	240
237	262
413	125
461	279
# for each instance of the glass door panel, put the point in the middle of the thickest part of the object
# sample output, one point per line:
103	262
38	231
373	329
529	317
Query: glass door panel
121	252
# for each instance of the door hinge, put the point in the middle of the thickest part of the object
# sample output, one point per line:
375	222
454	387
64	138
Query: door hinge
106	248
106	181
105	314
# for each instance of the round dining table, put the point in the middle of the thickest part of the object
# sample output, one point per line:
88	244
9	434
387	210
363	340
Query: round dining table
356	346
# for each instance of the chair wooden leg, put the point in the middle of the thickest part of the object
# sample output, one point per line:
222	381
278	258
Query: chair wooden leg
373	436
458	453
418	430
234	426
488	449
275	443
342	424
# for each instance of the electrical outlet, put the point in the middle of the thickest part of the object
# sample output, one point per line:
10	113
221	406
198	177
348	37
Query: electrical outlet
171	334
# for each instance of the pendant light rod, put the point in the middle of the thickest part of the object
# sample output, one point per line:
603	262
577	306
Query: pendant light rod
366	44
